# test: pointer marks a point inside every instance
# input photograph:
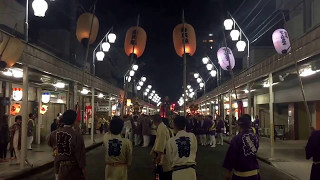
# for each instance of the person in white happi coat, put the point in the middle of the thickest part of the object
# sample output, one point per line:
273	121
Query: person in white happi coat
181	152
118	152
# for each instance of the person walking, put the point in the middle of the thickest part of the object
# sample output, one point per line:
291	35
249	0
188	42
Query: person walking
256	124
181	151
71	153
128	128
219	129
30	131
146	130
212	132
15	132
241	161
313	151
137	130
158	150
4	138
202	132
118	152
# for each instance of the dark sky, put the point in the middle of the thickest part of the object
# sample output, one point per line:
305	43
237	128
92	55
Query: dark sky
159	63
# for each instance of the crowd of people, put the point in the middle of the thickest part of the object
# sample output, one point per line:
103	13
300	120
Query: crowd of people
174	142
10	138
174	146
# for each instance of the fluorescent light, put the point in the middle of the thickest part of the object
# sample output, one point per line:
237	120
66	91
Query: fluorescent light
84	91
17	73
7	73
100	95
60	85
307	72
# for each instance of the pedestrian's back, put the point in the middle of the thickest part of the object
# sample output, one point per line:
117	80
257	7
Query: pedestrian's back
118	149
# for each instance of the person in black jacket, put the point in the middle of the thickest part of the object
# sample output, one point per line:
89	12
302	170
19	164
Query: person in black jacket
54	125
4	138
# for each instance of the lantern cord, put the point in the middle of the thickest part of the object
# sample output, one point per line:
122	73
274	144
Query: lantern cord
251	11
301	85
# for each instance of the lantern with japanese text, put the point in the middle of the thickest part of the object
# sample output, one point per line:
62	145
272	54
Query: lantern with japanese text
190	41
15	109
223	55
45	97
11	50
87	22
17	94
43	109
135	42
281	41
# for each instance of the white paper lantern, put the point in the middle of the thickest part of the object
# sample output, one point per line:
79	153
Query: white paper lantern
241	45
100	55
112	37
45	97
223	54
201	85
105	46
140	83
138	88
145	93
281	41
40	7
228	23
235	34
189	86
149	86
17	94
143	79
199	80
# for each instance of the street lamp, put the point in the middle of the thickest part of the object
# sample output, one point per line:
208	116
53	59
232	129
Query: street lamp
112	37
209	67
104	47
241	45
205	60
196	75
235	34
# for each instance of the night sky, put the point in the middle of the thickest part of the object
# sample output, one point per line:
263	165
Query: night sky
159	63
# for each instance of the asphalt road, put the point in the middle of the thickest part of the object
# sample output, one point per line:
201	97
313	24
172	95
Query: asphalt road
209	162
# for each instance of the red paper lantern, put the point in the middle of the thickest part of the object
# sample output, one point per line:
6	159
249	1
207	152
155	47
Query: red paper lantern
84	26
15	109
190	39
135	42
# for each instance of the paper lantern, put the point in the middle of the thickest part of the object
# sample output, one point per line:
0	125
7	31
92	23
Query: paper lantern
40	7
43	109
281	41
222	55
15	109
190	39
11	50
228	24
17	94
241	45
45	97
135	42
84	26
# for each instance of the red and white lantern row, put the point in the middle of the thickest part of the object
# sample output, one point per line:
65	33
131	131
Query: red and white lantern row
222	55
281	41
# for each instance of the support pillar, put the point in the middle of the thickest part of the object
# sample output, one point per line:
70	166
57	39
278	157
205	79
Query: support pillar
249	100
23	155
93	128
230	114
39	122
110	106
271	100
75	95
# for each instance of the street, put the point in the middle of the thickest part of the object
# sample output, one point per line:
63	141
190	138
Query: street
209	162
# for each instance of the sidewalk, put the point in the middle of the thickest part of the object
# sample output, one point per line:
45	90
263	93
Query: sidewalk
289	157
41	155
